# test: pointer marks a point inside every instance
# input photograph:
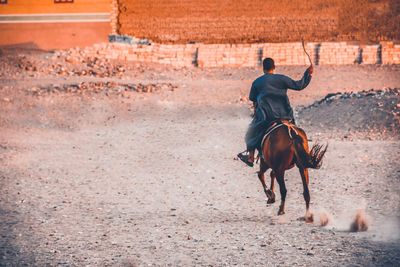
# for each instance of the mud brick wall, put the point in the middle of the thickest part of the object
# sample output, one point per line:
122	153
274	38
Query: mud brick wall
226	30
248	55
259	21
228	21
114	15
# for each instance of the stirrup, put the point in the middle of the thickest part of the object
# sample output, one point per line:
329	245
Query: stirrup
245	158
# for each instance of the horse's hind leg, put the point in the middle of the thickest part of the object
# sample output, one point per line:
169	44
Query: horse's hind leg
306	193
272	188
282	188
270	195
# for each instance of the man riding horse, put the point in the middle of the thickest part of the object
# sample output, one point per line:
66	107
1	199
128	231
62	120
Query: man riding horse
269	96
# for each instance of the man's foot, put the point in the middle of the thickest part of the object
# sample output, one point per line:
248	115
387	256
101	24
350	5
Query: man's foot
245	159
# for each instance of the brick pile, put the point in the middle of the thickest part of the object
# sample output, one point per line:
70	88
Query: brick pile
245	55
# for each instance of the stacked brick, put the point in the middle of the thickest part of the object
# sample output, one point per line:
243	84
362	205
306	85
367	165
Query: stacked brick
289	53
370	54
341	53
218	55
390	53
176	55
247	55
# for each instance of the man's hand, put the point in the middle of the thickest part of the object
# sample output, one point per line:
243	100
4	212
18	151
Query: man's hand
310	70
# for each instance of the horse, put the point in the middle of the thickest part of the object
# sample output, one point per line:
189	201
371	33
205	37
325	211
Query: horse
282	149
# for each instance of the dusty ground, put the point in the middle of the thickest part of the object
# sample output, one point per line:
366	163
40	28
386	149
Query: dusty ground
110	175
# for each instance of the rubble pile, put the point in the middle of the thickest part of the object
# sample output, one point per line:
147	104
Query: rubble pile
92	67
73	55
104	88
63	66
371	113
25	64
365	93
13	65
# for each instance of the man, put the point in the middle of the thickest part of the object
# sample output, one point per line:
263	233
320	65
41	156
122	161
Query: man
269	96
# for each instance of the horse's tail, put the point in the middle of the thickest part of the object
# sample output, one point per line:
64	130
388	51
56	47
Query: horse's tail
312	159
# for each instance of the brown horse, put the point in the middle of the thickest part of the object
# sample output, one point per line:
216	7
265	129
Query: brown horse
282	149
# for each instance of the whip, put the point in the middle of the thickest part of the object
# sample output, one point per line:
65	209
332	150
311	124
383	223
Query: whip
305	51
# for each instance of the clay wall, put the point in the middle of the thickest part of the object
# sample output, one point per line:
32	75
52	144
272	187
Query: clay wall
44	24
49	7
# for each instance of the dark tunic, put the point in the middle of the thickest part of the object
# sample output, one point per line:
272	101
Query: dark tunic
270	93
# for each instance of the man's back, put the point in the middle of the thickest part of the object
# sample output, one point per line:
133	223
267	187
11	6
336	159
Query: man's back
270	93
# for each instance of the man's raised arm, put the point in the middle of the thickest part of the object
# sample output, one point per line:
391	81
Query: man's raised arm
301	84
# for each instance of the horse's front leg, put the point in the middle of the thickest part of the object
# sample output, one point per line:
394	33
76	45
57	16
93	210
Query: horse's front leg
270	194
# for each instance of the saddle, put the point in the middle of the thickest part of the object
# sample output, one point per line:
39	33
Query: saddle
272	127
275	125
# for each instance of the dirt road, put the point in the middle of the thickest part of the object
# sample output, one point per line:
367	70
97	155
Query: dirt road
152	179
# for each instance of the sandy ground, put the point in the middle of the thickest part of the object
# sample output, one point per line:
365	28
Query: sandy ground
151	179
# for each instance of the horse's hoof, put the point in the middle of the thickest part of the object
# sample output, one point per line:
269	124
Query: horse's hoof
270	196
281	212
309	218
271	200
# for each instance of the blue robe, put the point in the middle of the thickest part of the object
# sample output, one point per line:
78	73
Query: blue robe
270	93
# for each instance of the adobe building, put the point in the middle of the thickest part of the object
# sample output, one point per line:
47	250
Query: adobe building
54	24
